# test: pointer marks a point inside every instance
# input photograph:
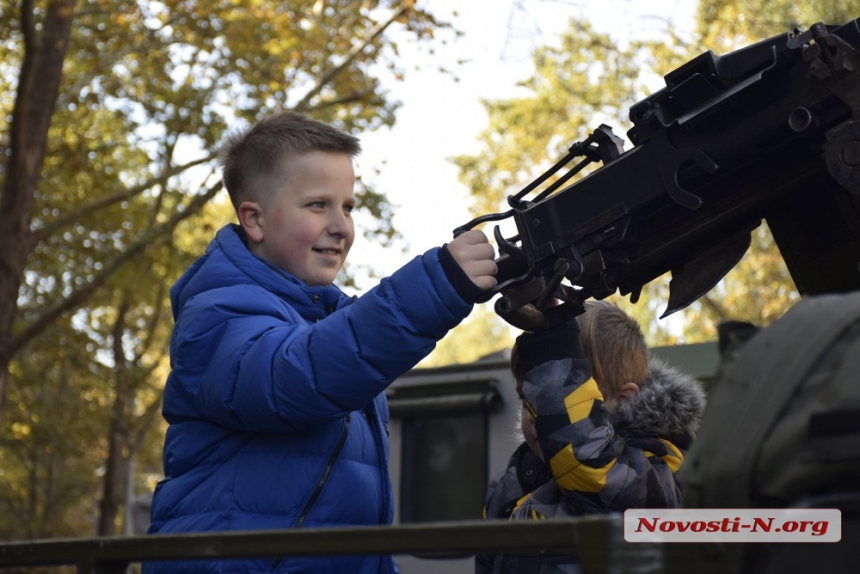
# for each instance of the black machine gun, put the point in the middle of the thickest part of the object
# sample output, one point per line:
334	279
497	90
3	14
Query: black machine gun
769	132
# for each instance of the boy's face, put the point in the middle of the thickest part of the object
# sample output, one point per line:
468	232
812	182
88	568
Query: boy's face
527	420
306	228
530	431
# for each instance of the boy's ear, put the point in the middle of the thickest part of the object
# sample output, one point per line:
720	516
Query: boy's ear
628	391
251	218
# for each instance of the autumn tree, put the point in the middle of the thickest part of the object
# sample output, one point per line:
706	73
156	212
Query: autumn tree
481	335
42	50
108	162
588	78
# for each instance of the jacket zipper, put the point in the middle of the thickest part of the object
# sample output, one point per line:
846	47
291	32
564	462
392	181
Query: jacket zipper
323	479
380	433
326	472
376	428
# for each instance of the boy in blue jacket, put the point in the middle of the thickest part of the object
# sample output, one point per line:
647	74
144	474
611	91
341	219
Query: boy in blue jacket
275	404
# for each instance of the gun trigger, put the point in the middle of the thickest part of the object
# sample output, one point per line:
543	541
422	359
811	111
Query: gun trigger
508	249
699	275
561	268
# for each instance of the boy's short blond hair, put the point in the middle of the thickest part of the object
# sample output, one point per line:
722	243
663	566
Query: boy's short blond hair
615	346
253	161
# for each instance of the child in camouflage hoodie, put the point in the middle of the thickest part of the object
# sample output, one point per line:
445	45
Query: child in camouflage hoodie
604	428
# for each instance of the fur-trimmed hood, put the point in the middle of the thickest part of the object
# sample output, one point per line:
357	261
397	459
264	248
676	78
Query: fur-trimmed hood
669	405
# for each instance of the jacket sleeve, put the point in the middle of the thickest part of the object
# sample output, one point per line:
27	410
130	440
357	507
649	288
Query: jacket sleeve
244	360
596	469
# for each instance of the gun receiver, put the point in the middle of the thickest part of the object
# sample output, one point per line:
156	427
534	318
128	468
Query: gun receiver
769	132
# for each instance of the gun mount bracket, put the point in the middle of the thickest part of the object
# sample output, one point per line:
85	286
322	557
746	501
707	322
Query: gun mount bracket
830	56
669	160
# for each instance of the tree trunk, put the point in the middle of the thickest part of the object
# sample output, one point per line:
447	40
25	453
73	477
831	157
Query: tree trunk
116	476
38	88
119	451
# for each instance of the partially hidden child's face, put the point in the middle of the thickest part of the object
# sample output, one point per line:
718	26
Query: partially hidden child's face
307	229
529	430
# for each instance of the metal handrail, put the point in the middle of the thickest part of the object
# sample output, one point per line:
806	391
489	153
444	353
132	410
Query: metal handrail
598	541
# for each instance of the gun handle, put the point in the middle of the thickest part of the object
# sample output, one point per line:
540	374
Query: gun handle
530	318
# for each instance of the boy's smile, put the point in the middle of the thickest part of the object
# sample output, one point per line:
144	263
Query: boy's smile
306	228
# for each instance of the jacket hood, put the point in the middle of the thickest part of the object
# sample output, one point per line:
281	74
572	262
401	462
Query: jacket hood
669	405
228	263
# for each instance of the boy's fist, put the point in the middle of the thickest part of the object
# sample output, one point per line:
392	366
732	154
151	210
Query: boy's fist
476	257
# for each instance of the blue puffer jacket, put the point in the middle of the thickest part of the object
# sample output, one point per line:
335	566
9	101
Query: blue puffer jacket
277	417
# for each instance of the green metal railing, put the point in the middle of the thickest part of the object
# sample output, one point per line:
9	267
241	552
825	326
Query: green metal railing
598	540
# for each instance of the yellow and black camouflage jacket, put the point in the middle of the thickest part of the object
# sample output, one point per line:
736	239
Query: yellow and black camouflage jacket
596	461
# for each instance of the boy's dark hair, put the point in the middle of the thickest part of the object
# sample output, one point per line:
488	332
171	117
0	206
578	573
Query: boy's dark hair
253	161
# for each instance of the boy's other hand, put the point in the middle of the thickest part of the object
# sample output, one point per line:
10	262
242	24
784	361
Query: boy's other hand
476	257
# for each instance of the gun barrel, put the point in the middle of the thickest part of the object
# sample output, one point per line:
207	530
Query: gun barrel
770	132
